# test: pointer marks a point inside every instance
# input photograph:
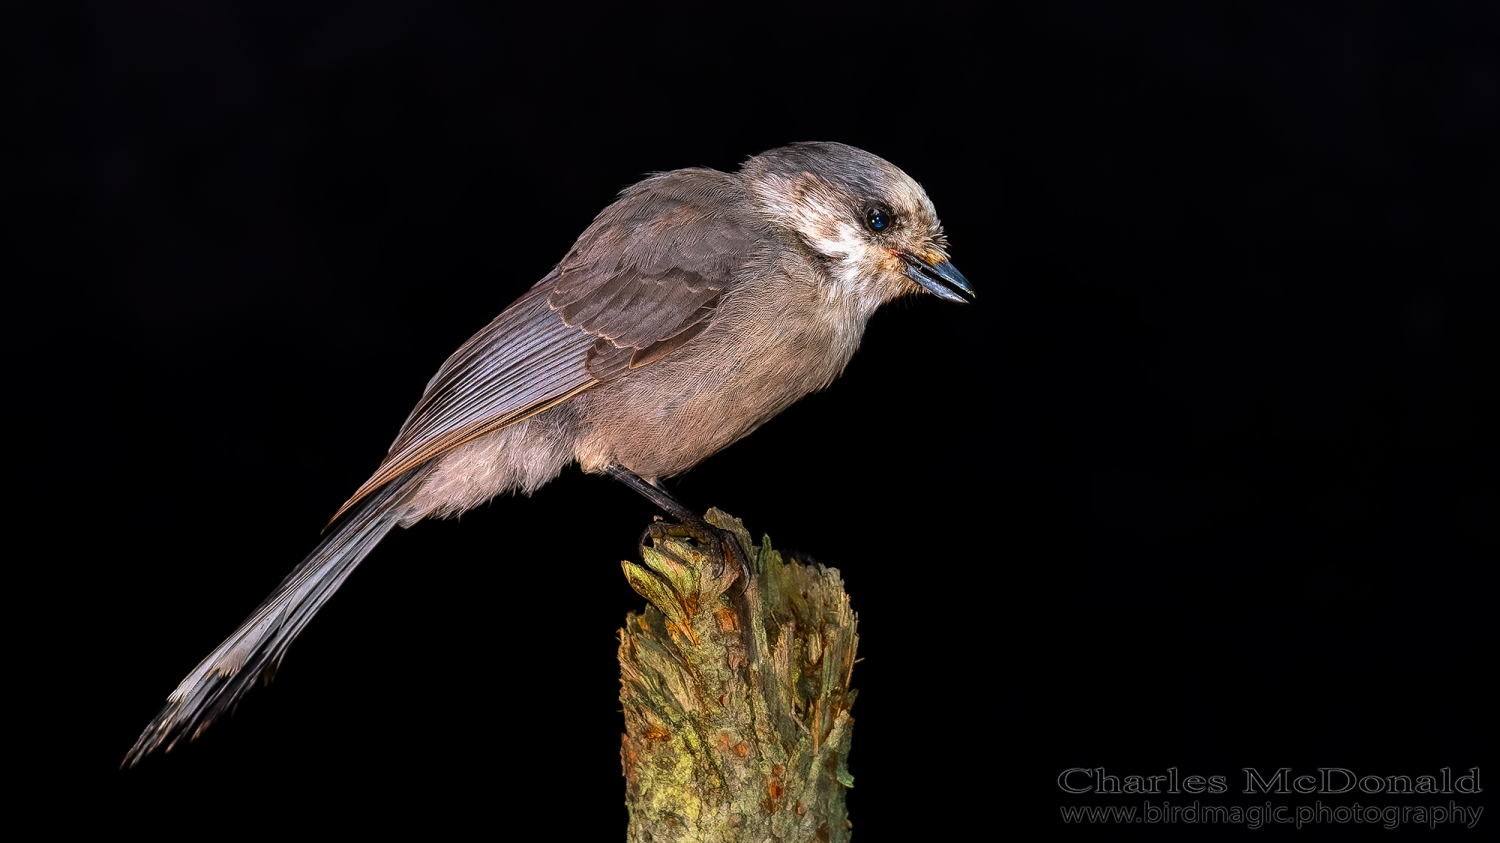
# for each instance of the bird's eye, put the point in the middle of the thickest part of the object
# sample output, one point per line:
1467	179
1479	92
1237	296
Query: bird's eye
878	219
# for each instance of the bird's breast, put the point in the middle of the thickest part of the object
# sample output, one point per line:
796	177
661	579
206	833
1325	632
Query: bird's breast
770	345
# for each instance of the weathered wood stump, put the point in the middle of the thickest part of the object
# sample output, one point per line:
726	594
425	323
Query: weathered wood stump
736	695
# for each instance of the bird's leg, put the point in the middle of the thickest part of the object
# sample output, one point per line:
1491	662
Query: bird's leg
688	522
657	495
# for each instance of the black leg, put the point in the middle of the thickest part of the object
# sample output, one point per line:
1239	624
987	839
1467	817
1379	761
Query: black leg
694	526
661	497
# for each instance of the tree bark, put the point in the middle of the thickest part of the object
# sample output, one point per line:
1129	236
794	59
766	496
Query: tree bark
736	695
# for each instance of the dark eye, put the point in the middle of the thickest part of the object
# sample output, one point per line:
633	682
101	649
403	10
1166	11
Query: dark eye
878	218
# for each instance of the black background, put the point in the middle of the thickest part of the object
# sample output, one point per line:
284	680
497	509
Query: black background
1205	479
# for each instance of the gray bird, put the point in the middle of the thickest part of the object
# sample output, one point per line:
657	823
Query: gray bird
692	310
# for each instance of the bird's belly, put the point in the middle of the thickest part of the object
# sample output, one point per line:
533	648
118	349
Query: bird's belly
665	418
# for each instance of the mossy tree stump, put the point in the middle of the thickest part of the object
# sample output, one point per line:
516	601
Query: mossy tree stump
736	695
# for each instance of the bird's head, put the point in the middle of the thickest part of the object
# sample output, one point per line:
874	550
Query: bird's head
871	224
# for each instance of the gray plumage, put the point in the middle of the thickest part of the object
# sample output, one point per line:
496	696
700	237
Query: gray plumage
692	310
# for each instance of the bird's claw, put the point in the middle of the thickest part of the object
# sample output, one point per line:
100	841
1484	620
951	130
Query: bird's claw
723	542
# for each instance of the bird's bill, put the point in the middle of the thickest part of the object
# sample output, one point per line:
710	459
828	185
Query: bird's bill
941	278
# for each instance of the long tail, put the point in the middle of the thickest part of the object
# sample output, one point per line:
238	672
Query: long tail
257	647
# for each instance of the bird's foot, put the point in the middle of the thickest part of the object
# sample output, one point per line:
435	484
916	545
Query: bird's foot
721	543
688	525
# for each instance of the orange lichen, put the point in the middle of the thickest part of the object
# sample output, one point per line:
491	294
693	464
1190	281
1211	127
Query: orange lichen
726	618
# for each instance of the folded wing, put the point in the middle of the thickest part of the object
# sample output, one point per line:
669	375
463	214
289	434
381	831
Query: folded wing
644	279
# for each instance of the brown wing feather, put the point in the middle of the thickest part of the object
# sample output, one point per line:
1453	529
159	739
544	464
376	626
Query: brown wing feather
642	280
523	362
656	262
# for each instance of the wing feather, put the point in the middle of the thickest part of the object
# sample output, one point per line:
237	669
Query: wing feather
523	362
646	267
642	280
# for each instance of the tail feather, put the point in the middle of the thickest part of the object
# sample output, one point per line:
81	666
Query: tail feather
257	647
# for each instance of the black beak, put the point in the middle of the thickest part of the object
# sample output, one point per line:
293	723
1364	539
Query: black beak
941	278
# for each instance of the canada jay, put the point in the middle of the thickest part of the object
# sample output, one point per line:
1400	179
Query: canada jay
692	310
